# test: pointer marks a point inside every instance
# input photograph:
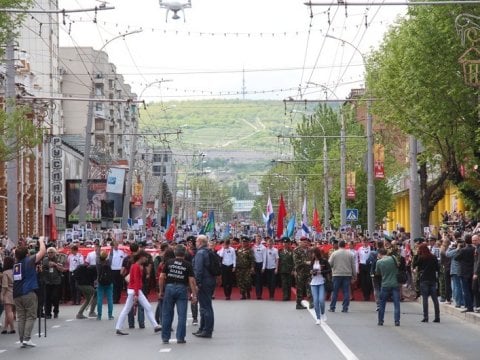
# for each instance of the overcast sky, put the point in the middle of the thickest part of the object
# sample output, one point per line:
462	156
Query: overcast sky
204	56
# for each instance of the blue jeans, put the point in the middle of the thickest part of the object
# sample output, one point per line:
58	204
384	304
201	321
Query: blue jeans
175	294
429	288
318	294
457	290
466	284
207	320
385	292
342	282
108	291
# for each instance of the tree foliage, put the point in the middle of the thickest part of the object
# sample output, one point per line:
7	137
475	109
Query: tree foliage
417	82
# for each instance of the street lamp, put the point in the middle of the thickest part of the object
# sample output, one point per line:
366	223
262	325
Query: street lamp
326	210
343	155
133	150
369	134
88	137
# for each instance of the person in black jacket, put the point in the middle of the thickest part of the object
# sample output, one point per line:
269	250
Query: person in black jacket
427	268
465	256
85	276
476	271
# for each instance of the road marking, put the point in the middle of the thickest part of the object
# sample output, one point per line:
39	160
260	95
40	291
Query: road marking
55	326
68	320
349	355
2	351
165	350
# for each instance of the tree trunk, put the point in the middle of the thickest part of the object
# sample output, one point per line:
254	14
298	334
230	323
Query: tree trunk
431	193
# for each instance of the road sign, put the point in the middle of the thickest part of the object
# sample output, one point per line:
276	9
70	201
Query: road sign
352	214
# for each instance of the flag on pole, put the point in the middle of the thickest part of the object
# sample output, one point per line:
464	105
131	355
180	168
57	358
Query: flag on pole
170	231
209	227
270	215
282	212
291	226
226	232
317	225
305	229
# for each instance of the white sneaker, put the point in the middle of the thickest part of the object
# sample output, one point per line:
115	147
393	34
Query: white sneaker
28	343
324	317
317	322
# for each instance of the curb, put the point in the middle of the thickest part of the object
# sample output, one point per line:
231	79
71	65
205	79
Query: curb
471	317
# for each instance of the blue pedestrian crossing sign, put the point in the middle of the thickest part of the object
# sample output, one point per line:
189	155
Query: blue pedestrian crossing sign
352	214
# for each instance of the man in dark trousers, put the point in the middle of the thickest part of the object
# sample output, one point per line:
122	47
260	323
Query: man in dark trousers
206	286
176	277
465	257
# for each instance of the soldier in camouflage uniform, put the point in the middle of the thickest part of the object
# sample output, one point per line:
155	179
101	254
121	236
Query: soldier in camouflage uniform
302	260
286	268
415	274
244	269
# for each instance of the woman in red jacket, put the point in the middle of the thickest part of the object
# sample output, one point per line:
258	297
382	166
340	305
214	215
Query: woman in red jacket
135	295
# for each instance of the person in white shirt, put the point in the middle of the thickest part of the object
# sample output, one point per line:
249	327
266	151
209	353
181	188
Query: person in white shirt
116	260
259	251
363	254
229	262
319	269
74	260
271	267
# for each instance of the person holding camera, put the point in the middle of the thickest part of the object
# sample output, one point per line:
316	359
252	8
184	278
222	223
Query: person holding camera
320	271
52	271
25	283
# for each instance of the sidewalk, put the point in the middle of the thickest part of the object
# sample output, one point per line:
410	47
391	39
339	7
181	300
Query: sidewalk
471	317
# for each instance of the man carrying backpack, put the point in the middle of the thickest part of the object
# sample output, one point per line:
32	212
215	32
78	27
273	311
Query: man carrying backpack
206	286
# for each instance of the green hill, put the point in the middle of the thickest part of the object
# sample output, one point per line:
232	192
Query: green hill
219	124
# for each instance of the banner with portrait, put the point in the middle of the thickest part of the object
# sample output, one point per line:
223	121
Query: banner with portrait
351	192
379	161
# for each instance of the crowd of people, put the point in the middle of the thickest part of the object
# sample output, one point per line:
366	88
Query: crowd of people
37	281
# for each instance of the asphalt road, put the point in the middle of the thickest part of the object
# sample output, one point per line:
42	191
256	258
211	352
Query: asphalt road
261	330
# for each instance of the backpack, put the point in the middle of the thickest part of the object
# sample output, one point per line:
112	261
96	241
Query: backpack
215	263
105	276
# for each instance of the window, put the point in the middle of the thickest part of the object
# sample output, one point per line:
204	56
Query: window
99	124
98	106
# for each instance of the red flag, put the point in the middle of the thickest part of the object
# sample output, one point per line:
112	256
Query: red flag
282	212
170	231
317	225
53	223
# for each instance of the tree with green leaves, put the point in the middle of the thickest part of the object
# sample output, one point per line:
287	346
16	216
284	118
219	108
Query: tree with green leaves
417	82
18	125
283	178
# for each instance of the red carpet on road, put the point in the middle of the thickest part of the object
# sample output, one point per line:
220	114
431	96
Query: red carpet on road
219	295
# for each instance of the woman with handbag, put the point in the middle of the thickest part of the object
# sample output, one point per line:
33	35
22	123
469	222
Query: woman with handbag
321	272
427	268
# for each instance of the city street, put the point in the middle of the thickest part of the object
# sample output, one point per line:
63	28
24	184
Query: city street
261	330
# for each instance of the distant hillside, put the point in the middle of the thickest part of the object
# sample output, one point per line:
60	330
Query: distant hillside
220	124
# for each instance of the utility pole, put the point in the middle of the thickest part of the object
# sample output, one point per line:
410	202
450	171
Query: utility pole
128	186
88	136
12	165
414	193
343	154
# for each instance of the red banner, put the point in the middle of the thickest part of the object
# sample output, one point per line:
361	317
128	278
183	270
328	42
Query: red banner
351	193
379	159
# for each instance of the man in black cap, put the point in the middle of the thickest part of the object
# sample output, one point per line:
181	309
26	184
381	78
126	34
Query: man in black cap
286	268
301	260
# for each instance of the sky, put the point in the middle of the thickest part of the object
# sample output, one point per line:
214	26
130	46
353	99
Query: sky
233	49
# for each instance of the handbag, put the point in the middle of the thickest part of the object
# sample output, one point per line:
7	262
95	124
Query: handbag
328	284
401	274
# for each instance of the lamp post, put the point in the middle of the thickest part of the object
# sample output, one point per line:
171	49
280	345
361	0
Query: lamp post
369	134
326	210
88	137
343	201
